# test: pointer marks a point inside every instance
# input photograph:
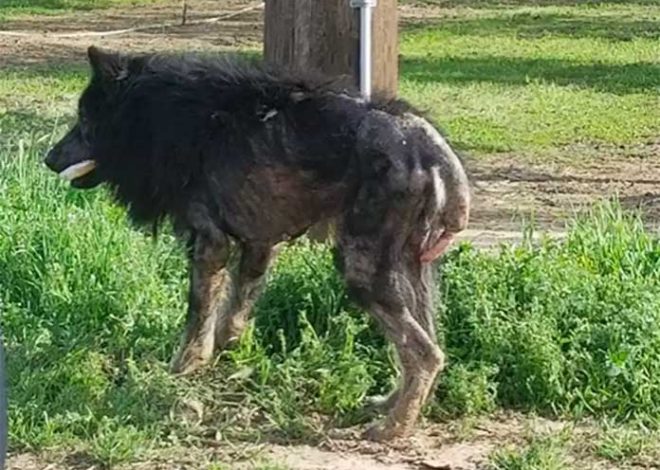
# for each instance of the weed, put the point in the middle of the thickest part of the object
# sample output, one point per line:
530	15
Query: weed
539	453
466	391
113	444
623	443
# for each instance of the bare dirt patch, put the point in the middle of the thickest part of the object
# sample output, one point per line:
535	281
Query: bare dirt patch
462	445
550	189
439	447
33	40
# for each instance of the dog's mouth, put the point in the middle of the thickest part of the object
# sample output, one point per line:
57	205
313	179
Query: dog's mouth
77	170
81	175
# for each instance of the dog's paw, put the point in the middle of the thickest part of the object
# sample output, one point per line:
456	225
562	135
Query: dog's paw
187	362
385	432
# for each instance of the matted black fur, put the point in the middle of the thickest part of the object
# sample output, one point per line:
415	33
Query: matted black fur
168	118
243	157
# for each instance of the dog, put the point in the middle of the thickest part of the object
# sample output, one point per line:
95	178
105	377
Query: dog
241	158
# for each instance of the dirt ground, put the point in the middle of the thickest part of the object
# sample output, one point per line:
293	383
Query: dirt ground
457	446
507	190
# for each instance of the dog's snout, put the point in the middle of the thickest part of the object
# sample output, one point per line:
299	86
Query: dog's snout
51	159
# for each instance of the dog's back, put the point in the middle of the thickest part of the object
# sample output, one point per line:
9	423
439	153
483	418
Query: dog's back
265	155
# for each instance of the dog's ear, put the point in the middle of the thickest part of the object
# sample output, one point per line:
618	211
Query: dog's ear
109	66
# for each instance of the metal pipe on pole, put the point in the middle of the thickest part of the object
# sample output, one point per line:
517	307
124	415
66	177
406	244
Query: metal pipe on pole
366	35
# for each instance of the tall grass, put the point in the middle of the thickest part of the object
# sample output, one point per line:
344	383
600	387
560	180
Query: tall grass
571	327
88	307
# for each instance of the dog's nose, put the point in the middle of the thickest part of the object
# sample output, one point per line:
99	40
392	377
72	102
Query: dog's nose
50	159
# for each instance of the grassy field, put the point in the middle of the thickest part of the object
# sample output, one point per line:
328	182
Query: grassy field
91	309
22	8
529	79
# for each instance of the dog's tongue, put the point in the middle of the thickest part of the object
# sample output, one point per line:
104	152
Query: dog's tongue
438	248
78	170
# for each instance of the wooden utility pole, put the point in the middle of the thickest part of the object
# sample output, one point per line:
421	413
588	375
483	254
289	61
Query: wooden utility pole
324	36
386	48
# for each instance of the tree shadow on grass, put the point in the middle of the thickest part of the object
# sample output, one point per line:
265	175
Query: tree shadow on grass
528	3
532	25
45	4
619	79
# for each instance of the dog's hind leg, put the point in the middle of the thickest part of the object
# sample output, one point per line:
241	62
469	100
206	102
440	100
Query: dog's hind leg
378	280
421	361
209	279
420	284
416	285
246	282
421	280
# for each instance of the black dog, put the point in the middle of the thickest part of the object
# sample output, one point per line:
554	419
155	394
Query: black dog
241	158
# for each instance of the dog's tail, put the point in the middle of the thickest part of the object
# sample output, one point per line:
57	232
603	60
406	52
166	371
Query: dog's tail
447	208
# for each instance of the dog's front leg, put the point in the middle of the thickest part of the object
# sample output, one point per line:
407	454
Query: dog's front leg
208	279
246	284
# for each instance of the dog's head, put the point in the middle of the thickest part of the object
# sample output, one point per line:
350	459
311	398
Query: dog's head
73	156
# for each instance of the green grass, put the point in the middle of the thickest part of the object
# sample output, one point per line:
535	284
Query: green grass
530	79
19	8
622	444
91	309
